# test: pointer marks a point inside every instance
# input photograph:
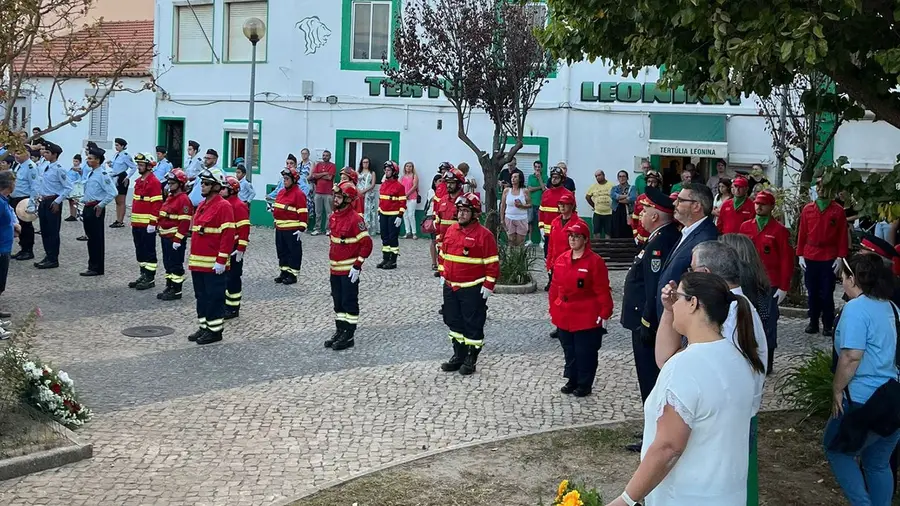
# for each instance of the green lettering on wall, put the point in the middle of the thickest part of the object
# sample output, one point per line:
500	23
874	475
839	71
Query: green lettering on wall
411	91
607	92
374	85
653	93
434	92
587	92
628	92
679	96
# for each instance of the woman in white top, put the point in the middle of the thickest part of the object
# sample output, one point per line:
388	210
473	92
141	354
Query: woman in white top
514	206
722	196
697	417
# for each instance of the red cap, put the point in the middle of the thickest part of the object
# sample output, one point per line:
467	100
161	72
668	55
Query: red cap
567	198
579	228
765	198
741	182
674	195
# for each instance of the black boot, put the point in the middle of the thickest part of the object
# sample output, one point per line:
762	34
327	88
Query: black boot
344	341
197	335
139	280
827	332
288	279
232	312
165	292
569	387
392	261
174	294
385	259
334	337
456	361
210	337
812	328
554	334
146	283
468	366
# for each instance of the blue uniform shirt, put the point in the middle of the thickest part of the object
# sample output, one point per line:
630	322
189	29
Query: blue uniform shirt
123	162
195	195
99	186
74	176
54	181
247	192
27	182
194	166
6	226
278	188
162	168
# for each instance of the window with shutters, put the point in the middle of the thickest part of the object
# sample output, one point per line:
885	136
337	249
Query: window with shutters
237	47
99	128
193	33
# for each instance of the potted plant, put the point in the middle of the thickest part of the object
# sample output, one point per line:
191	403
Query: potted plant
516	265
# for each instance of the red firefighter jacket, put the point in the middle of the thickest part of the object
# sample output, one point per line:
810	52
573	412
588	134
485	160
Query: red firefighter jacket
175	217
350	241
439	191
558	240
241	223
392	198
212	237
774	248
147	201
731	219
445	215
290	210
822	235
469	257
640	233
580	294
549	208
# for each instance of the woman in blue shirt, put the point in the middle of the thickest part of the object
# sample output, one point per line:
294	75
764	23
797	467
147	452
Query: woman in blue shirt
866	343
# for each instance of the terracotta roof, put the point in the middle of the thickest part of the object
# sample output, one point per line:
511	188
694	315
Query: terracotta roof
98	50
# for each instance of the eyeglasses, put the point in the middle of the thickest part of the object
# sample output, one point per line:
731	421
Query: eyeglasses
683	295
699	268
680	200
206	183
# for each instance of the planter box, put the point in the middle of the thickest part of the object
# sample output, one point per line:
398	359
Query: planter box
47	459
515	289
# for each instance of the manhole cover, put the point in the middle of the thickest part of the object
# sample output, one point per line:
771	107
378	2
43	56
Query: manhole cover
148	331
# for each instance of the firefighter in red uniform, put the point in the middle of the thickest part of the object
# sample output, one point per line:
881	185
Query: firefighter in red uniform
445	211
144	217
241	240
470	269
734	212
581	304
350	246
441	189
291	216
772	241
640	233
557	239
174	225
391	205
549	209
212	241
822	244
348	174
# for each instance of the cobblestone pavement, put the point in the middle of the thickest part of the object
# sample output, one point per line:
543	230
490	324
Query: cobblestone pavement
269	414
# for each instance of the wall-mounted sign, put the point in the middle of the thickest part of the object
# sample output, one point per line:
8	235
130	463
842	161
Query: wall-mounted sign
376	88
689	148
647	93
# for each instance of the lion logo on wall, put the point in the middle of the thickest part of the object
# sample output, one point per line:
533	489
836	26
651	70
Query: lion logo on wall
315	32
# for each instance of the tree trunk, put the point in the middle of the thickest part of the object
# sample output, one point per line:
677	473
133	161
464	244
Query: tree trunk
489	204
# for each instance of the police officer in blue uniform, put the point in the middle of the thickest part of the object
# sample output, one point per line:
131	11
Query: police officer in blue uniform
122	167
163	166
639	301
193	167
99	191
54	190
27	185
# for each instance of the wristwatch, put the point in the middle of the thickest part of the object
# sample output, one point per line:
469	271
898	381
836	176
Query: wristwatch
628	500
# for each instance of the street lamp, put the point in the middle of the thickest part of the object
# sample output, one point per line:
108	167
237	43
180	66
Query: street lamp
254	30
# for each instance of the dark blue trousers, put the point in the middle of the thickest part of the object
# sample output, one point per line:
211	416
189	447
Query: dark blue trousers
819	281
644	363
580	350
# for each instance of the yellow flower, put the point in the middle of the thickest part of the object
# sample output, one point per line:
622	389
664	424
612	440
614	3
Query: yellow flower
573	498
563	486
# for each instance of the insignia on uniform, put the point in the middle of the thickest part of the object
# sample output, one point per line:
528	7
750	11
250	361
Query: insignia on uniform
186	210
361	225
833	222
656	264
767	250
466	251
657	253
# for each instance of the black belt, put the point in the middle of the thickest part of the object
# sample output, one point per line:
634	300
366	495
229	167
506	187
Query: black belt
91	203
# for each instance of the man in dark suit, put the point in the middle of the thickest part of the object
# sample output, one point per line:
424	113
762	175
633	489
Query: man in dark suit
693	208
639	301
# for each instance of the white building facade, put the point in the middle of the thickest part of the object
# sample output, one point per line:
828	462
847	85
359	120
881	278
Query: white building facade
319	86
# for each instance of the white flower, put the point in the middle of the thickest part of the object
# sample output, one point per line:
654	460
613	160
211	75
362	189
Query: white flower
64	378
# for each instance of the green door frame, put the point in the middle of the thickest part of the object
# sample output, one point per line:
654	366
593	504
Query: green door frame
161	133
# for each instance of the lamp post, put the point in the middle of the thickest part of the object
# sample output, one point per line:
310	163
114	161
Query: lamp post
254	29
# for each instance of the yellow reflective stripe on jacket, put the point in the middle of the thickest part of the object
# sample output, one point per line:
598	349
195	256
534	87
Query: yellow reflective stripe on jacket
165	231
548	209
390	197
350	261
467	284
210	230
140	198
242	242
388	213
289	223
349	240
469	260
201	260
439	221
242	223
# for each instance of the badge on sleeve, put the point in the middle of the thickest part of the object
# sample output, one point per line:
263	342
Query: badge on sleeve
362	225
186	210
656	264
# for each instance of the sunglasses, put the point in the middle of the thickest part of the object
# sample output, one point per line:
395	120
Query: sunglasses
206	183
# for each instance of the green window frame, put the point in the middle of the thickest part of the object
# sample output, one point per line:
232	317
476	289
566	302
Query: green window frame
228	157
347	13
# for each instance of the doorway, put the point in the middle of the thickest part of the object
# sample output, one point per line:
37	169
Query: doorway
377	151
171	135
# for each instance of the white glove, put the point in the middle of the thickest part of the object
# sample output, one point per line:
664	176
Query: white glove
297	234
442	281
354	275
802	263
238	256
542	233
397	222
176	245
601	322
780	295
151	229
836	266
218	268
485	292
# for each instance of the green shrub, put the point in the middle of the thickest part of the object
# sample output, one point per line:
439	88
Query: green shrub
516	264
807	386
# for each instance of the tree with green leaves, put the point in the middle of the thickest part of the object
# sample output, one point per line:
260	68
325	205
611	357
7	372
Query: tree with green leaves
484	55
720	48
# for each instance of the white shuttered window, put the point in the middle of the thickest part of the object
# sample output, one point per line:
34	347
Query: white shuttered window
238	48
193	40
100	122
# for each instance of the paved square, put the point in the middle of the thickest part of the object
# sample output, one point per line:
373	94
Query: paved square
269	413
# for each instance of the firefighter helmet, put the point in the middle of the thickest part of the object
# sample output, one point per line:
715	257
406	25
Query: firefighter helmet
395	169
233	184
445	166
291	172
214	176
455	175
348	190
351	174
470	200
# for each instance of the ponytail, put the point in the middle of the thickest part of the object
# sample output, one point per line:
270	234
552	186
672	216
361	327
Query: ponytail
746	336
